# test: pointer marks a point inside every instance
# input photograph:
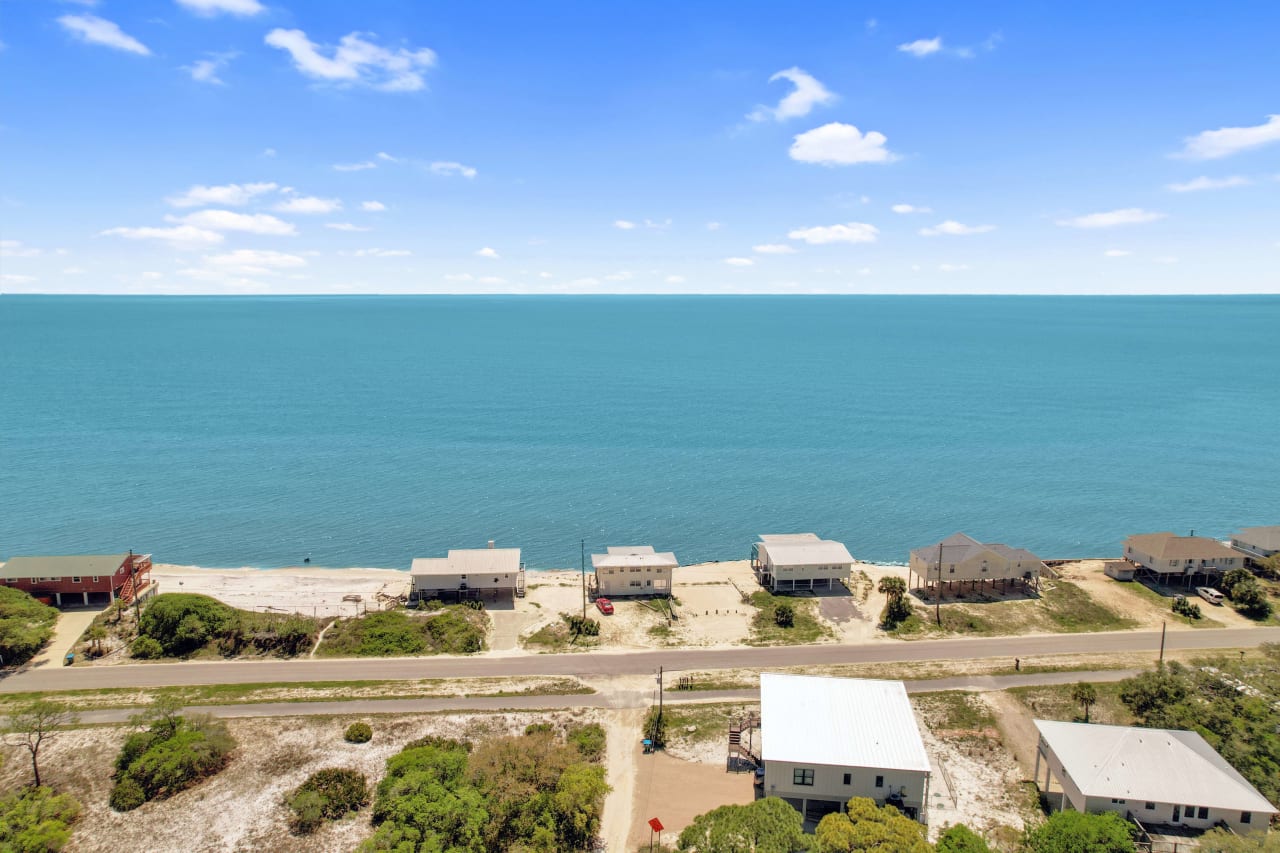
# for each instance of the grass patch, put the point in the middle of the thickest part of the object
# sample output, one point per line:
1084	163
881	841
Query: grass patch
454	629
1165	602
1054	702
805	627
690	725
1073	611
955	711
558	637
1063	609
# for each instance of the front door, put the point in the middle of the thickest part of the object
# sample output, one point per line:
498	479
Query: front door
1177	813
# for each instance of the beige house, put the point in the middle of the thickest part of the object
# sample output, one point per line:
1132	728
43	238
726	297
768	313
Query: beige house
1156	777
964	559
476	573
790	561
1257	543
1171	557
827	740
633	570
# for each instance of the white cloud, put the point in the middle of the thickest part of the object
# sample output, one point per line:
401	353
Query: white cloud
253	261
955	229
449	168
309	204
675	279
953	267
206	70
373	206
1117	253
624	224
229	220
487	252
74	271
850	232
838	144
95	30
624	275
714	226
346	226
774	249
268	152
380	253
16	249
356	61
545	275
209	8
1225	141
911	208
463	276
355	167
922	47
1112	218
807	94
382	155
491	279
14	278
740	262
1205	183
233	194
180	235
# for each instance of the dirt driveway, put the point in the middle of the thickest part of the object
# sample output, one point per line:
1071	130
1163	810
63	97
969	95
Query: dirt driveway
676	792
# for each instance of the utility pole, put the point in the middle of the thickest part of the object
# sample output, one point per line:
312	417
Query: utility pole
133	574
659	695
937	600
1163	626
584	578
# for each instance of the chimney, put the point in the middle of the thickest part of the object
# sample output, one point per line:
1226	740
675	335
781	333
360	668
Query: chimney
491	544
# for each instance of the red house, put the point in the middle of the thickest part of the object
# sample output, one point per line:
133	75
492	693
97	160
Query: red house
94	579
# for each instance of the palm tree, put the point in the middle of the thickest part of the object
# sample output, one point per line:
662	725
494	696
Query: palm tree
1086	695
892	587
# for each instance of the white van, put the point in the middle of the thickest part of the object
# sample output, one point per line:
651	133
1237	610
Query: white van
1209	594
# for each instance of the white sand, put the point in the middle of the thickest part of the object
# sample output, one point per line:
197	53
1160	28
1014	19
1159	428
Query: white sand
313	592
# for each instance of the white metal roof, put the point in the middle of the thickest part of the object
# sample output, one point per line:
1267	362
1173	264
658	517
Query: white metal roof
815	552
841	722
790	537
1151	765
634	556
469	561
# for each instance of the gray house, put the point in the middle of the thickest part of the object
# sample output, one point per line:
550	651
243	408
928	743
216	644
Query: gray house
1257	543
791	561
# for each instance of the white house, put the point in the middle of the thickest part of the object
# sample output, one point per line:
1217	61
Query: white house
961	558
474	573
1160	777
1180	557
1257	543
826	740
634	570
788	561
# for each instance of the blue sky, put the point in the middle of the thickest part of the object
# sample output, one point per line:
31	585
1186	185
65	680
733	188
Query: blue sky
253	146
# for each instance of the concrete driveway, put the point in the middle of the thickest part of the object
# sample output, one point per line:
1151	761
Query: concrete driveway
70	625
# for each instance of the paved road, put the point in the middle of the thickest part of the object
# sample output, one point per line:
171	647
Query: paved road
615	701
620	663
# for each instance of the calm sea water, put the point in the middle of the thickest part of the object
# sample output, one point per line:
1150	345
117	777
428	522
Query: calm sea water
367	431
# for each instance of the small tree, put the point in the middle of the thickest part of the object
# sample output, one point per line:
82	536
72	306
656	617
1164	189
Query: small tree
769	825
784	614
892	587
1085	695
1078	832
37	723
961	839
97	633
864	827
1233	578
1251	599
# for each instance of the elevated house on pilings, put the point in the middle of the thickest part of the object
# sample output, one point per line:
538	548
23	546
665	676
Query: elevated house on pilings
1257	543
491	574
786	562
633	570
1184	560
93	579
960	559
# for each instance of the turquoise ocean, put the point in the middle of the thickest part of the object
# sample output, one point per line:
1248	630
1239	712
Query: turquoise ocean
366	431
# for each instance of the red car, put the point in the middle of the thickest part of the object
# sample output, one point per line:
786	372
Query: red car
605	605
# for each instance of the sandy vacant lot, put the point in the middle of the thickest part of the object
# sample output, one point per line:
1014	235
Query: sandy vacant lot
1124	598
312	592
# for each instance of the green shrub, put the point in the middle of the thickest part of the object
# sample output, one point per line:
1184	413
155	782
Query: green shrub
897	610
358	733
36	820
451	630
589	739
584	625
1251	599
25	625
328	794
127	795
182	622
539	728
1227	583
784	614
961	839
145	648
1186	608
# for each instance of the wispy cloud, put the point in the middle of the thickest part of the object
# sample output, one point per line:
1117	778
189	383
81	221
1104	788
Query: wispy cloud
232	194
254	261
1112	218
1225	141
838	144
380	253
806	94
487	252
182	236
229	220
347	226
849	232
16	249
356	61
355	167
207	70
450	168
373	206
922	47
309	204
774	249
952	228
910	208
1117	253
1205	183
95	30
209	8
624	224
739	262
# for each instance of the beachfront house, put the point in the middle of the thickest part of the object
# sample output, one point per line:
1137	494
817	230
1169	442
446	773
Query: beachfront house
1257	543
790	561
633	570
81	580
1159	778
960	558
826	740
491	573
1173	558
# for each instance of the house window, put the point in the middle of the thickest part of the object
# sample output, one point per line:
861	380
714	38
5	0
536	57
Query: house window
848	778
879	781
1117	802
1151	807
635	583
1188	811
1246	817
1173	563
952	570
1204	813
801	776
95	578
648	582
75	579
